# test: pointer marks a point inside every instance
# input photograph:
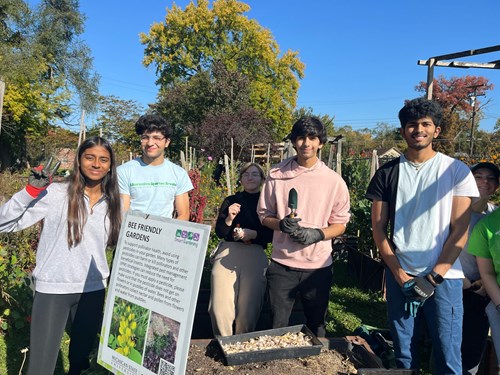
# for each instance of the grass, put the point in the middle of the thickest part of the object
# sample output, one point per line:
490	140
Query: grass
351	306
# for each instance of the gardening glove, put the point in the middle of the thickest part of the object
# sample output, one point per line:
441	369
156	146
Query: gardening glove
289	225
40	177
418	289
411	307
307	236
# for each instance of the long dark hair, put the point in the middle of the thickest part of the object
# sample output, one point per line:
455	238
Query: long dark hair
77	214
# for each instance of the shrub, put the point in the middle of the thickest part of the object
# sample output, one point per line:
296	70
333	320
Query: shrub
356	174
17	259
197	201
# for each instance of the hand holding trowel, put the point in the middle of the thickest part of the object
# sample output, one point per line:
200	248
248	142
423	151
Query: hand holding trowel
289	224
304	236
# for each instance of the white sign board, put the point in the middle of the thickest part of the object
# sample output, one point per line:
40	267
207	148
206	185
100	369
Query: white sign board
152	295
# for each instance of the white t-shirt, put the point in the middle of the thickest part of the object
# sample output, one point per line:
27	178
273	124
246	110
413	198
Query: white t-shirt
153	188
423	211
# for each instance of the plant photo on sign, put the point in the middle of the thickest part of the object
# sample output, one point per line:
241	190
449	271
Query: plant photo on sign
128	329
161	342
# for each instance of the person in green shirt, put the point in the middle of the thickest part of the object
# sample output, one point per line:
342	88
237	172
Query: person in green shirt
484	243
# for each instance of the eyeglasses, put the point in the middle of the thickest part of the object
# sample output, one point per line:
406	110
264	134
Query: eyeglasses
155	138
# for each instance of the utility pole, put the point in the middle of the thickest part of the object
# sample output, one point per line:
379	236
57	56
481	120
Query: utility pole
473	96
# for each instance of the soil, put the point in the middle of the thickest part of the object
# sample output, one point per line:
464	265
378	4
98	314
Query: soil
209	359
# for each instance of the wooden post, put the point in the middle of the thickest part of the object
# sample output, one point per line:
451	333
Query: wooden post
232	159
430	78
338	167
2	92
228	173
330	156
183	161
374	163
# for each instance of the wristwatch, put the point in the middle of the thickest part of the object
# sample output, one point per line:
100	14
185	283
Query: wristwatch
436	277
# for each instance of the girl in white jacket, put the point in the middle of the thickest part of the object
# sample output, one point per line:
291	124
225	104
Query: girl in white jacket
81	217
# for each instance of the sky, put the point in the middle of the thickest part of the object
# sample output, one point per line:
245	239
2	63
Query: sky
360	56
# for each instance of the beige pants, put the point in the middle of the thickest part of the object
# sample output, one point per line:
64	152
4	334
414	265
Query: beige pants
238	284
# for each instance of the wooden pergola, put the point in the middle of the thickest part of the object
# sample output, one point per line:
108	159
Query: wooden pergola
439	61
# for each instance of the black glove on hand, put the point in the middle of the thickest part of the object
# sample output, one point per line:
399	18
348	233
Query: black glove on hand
307	236
289	225
40	177
418	289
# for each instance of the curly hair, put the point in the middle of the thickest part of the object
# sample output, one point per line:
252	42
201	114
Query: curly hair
153	123
418	108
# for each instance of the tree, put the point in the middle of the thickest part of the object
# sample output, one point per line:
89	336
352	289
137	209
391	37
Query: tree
116	122
191	41
45	66
386	136
213	108
116	119
455	96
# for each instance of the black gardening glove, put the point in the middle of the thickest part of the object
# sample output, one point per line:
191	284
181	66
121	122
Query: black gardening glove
289	225
40	177
417	291
307	236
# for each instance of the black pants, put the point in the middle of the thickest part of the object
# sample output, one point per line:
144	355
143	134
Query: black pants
475	331
48	320
314	288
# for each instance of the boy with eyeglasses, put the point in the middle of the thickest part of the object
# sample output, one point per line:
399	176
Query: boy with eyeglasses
151	183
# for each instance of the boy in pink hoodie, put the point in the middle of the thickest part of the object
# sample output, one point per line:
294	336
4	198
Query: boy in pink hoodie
301	259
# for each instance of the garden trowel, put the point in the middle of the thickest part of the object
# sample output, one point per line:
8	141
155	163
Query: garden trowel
292	202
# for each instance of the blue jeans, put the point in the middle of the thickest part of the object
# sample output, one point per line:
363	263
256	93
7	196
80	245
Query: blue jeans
443	313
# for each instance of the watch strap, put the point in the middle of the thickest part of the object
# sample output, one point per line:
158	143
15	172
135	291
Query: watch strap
436	277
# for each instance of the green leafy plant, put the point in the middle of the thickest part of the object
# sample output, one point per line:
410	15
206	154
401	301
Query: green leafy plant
17	259
356	173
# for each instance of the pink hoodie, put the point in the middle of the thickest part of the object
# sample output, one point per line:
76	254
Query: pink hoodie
323	199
